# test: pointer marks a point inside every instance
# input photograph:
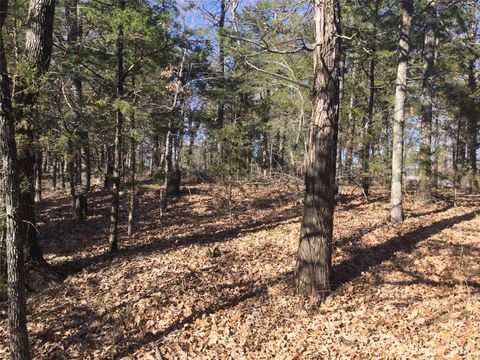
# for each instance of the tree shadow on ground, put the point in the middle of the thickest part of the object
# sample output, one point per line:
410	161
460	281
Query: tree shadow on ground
431	212
366	258
254	289
170	244
417	278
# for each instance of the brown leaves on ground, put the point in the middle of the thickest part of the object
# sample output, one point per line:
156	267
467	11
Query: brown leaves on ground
213	280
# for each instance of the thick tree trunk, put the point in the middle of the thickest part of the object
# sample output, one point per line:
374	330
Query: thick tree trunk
38	49
425	161
14	237
314	251
117	158
396	198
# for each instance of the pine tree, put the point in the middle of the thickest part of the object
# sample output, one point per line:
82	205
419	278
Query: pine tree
315	248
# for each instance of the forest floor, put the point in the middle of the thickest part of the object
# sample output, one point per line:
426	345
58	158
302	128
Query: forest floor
213	279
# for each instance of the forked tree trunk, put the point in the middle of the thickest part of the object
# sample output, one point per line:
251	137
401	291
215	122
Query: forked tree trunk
425	161
396	198
315	247
14	237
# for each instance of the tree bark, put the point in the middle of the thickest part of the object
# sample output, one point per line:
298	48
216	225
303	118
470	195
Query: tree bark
14	237
221	61
221	74
396	198
315	247
472	118
38	176
352	124
425	161
38	49
83	178
54	172
71	175
109	168
133	169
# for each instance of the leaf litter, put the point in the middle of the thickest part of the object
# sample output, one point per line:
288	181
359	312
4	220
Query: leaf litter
212	278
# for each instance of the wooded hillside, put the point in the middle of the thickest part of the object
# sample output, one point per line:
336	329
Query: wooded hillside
239	179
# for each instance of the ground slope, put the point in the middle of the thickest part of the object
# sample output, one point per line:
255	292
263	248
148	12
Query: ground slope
212	279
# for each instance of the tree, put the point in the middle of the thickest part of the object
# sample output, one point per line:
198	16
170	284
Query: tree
425	161
314	251
396	211
37	54
117	154
368	120
14	237
74	34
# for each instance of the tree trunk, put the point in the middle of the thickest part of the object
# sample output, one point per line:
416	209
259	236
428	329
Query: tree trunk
14	237
457	155
133	169
368	122
168	168
221	74
396	198
38	169
472	118
83	178
71	175
315	247
425	161
352	123
54	172
62	173
117	158
38	49
109	168
221	61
